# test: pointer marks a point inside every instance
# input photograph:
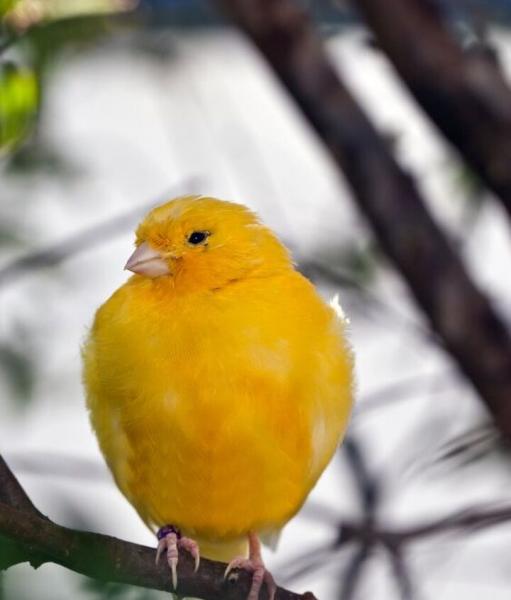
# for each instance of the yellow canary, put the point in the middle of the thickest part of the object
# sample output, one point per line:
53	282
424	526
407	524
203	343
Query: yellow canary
219	382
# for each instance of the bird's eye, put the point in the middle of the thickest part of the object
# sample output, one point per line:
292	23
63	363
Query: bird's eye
197	237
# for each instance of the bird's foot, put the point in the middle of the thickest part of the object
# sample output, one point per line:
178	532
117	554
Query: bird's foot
254	564
171	541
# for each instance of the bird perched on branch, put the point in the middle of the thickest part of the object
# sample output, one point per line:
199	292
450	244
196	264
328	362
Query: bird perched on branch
219	383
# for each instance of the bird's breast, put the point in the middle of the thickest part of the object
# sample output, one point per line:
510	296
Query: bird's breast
219	400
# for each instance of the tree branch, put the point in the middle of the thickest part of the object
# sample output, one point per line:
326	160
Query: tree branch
31	537
473	519
464	521
34	538
12	493
464	93
462	316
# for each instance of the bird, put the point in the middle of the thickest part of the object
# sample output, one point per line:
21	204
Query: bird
219	383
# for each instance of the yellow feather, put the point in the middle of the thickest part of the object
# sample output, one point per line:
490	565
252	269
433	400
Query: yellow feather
219	392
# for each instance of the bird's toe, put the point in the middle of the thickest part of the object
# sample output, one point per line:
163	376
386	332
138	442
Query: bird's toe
171	541
260	576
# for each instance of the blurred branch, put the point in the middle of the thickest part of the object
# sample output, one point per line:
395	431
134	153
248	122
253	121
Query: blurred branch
462	316
87	238
366	535
403	389
367	485
38	540
353	572
55	254
466	521
401	573
464	92
368	489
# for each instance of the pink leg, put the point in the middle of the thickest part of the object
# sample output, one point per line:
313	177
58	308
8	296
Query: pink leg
254	564
171	541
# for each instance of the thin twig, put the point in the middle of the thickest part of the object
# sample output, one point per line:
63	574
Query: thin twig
352	573
401	573
366	483
464	521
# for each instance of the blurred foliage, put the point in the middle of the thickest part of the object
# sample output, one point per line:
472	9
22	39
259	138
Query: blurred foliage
18	103
40	31
470	184
473	195
6	6
18	369
361	261
9	236
354	265
37	155
10	554
101	590
22	14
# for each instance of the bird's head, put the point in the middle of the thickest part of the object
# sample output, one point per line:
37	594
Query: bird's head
200	242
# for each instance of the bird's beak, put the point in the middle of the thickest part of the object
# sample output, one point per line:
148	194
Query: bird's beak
147	261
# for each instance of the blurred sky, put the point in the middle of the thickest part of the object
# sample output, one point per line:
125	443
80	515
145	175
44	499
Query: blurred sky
143	116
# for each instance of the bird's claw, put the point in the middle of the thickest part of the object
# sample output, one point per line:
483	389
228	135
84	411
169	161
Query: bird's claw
171	542
193	548
173	570
260	575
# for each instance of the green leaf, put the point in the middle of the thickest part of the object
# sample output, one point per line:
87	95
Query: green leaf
103	589
6	6
18	369
29	13
10	237
360	261
18	104
113	591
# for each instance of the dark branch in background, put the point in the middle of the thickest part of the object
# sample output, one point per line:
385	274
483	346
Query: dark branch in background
395	540
353	573
369	493
464	93
366	484
34	538
369	490
401	573
462	316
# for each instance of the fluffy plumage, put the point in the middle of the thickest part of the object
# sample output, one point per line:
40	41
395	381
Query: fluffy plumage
219	390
